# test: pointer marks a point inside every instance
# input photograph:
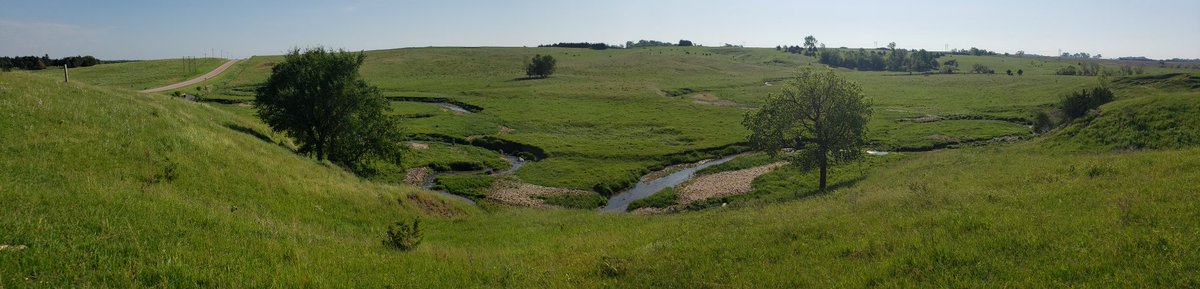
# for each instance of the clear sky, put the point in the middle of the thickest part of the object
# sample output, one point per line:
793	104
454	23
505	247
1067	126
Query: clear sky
139	29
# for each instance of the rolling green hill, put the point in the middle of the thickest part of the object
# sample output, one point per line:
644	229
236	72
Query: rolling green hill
607	117
111	188
137	75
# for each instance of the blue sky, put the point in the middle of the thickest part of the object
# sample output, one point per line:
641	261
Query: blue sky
167	29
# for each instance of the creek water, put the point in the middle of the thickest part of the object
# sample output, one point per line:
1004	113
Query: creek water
644	188
452	107
429	181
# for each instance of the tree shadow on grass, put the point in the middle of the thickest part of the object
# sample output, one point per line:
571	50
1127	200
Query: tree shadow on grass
250	131
528	78
829	189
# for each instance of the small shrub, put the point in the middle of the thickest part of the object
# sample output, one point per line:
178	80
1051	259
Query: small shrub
404	236
1042	123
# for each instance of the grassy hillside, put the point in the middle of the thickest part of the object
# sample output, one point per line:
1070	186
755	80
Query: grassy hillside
137	75
116	189
110	188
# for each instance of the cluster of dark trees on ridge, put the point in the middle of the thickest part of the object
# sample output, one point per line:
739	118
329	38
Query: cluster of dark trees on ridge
42	62
628	44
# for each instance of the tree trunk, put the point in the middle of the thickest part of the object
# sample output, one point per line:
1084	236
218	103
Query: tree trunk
824	172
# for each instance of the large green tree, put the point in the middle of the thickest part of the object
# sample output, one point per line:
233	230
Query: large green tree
317	97
820	115
541	66
810	45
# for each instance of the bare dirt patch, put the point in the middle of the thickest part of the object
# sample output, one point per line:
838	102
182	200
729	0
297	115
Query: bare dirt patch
514	192
418	146
433	207
723	184
416	176
709	99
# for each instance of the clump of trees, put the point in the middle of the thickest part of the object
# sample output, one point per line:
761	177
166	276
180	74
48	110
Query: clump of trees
820	114
1077	104
593	46
1080	55
541	66
809	48
976	52
647	43
318	98
39	63
890	59
981	69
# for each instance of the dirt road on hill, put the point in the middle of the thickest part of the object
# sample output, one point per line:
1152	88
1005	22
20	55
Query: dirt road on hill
200	79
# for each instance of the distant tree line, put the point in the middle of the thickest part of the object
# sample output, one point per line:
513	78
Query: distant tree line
1135	58
1081	55
628	44
809	48
42	62
1093	69
891	59
656	43
594	46
976	52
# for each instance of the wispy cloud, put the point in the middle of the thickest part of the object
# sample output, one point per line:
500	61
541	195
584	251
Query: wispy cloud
18	37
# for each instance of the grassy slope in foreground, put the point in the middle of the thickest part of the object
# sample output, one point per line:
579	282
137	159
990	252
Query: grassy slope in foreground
74	174
137	75
114	189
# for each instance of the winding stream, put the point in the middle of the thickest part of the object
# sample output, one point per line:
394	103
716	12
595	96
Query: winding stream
644	188
431	179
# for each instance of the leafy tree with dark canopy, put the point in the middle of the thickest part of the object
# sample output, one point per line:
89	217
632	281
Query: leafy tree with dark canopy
821	114
541	66
810	45
317	97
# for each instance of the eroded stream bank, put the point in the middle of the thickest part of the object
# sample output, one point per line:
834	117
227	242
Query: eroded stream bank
646	187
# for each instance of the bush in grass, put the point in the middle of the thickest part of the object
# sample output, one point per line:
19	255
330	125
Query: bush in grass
981	69
1042	123
576	201
1078	103
541	66
404	236
662	199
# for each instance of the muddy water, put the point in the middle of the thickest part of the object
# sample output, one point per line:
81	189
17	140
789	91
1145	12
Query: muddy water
644	188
